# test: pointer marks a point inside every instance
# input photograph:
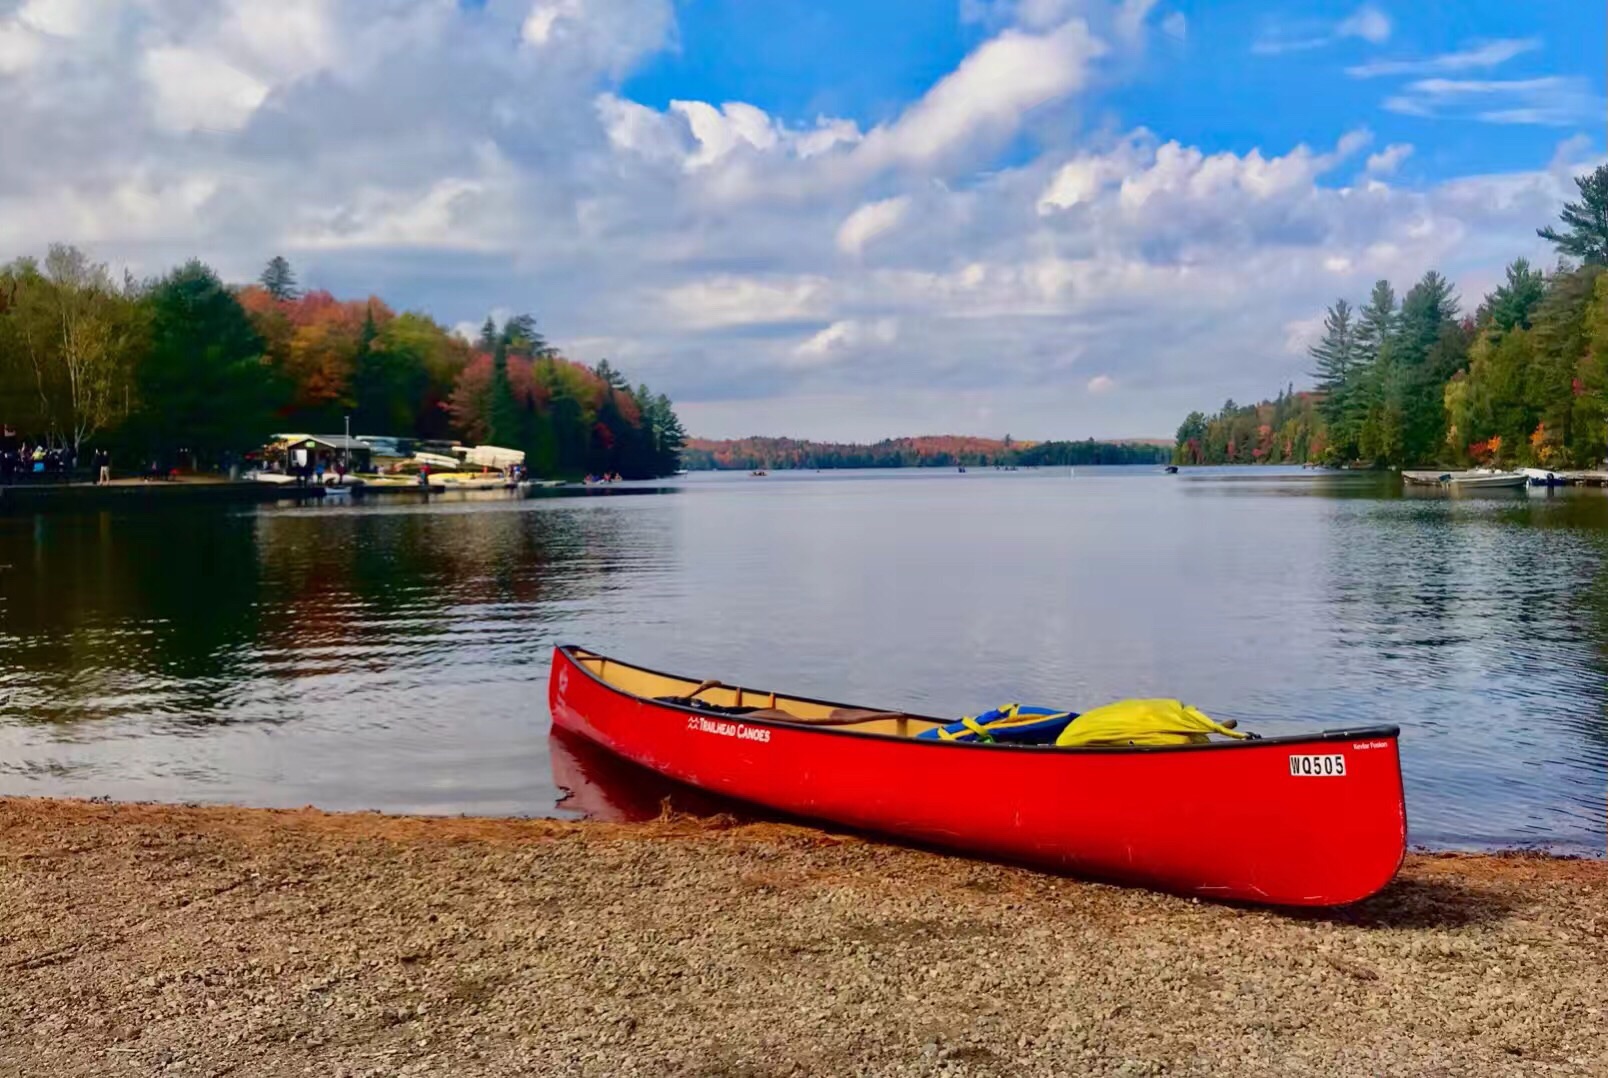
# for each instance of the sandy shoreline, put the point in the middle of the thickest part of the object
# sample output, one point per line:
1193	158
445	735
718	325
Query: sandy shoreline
139	939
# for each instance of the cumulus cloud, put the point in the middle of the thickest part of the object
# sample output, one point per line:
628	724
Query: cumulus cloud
870	221
787	273
987	96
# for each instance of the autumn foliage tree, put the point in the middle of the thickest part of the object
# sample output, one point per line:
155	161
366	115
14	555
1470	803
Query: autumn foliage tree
185	370
568	418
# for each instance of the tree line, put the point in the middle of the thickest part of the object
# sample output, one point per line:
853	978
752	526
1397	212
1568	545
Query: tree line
1520	380
940	451
184	370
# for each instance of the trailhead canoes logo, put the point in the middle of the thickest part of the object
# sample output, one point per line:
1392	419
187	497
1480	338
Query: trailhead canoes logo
699	724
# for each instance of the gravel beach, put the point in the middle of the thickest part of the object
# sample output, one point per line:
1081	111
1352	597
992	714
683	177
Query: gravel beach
138	939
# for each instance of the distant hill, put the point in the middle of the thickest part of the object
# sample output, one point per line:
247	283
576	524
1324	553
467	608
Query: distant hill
929	451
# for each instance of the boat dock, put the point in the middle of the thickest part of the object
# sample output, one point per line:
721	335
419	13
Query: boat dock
1584	479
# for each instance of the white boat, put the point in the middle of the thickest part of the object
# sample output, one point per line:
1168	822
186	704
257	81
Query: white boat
1541	477
1474	479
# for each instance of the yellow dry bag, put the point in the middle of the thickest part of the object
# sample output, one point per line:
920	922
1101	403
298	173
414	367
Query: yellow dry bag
1143	722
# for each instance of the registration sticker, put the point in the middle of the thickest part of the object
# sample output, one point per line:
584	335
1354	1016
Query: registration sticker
1328	766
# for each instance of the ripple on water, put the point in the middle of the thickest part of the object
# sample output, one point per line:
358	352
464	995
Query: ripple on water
396	656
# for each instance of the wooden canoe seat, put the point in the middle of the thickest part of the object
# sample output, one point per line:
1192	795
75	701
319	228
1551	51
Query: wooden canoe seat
842	716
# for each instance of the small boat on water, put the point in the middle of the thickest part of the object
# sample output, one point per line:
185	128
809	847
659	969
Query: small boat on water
1475	479
1310	820
1171	469
1541	477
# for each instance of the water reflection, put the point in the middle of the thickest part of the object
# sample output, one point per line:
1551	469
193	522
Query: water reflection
350	658
395	656
595	784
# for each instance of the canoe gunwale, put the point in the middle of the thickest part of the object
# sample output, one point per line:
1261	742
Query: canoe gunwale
1350	733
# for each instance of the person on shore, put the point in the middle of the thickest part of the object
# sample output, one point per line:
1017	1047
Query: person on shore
103	467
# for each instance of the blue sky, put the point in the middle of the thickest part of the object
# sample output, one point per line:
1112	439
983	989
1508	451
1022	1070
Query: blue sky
1057	218
867	61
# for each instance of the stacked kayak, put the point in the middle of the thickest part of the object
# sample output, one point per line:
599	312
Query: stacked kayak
1148	792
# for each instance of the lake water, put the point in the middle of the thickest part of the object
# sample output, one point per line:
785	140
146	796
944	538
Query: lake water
395	655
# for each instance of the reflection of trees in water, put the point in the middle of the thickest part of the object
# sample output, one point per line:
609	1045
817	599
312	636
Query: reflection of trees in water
1491	612
94	598
179	615
384	583
155	590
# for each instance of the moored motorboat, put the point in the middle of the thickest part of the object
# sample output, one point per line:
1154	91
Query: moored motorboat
1475	479
1541	477
1310	820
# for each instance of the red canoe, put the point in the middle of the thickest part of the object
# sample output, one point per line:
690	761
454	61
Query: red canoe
1313	820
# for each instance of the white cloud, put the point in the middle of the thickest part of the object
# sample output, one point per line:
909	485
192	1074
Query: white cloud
38	25
1389	159
1175	25
63	18
720	131
987	96
1101	384
1367	23
845	338
1553	100
1185	173
730	300
1083	178
20	47
827	135
436	154
195	90
641	130
1131	15
1301	334
1488	54
870	221
540	24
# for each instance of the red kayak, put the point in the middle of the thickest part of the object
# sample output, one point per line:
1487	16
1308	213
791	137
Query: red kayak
1313	820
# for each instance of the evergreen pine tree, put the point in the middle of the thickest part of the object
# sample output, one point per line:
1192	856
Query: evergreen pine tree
1586	236
1336	362
279	280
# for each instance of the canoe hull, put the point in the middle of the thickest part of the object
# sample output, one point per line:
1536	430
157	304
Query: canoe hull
1230	822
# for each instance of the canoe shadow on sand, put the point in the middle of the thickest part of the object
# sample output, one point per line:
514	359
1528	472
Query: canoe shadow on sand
601	786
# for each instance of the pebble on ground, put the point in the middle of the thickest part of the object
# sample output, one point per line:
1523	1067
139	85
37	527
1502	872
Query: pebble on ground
141	940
